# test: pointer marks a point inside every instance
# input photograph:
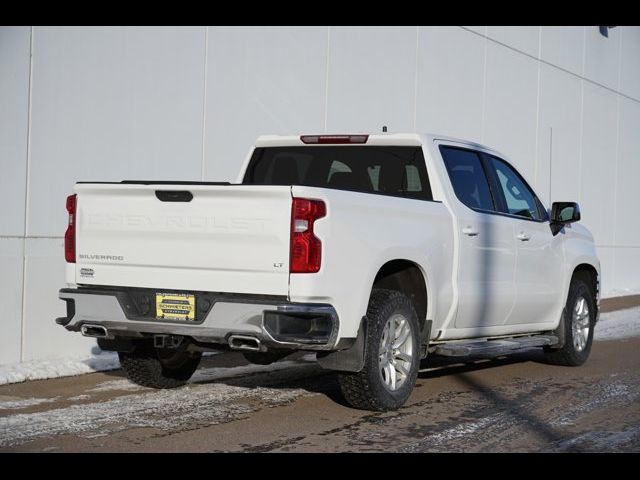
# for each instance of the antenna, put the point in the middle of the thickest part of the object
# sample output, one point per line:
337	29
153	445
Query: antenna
384	129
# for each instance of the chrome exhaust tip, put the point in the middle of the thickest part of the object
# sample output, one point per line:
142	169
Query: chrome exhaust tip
94	331
244	342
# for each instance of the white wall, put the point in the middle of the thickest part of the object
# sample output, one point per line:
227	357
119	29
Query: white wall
14	124
107	103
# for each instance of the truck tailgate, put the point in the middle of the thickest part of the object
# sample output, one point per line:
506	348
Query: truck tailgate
227	238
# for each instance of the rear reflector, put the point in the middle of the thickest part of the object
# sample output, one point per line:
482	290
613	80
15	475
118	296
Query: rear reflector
333	139
306	248
70	234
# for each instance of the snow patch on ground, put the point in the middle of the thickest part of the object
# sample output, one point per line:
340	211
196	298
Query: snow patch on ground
599	397
112	385
465	429
192	406
618	324
25	403
438	440
80	397
602	441
57	367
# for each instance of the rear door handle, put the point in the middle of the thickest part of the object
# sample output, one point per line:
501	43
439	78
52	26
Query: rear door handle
469	230
523	237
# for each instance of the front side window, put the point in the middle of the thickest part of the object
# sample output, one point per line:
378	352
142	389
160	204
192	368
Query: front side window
468	177
519	198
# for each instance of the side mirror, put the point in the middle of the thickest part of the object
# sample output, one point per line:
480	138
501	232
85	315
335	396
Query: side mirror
563	213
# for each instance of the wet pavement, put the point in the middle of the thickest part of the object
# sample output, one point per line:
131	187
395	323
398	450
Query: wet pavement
510	403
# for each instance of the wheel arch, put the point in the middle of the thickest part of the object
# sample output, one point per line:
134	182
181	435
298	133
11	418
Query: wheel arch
409	278
590	274
561	353
399	274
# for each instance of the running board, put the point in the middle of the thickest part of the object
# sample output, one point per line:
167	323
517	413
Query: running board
493	347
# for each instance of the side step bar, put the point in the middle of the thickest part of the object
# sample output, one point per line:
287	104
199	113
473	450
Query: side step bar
493	347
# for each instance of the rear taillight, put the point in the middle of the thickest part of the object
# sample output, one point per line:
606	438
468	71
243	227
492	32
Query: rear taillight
70	234
306	248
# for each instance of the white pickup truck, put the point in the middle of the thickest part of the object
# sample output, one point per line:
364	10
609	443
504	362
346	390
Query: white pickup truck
371	250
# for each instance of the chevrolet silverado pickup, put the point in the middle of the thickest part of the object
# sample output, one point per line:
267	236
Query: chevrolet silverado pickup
373	251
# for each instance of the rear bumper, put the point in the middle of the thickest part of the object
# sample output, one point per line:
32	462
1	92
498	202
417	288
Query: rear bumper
274	321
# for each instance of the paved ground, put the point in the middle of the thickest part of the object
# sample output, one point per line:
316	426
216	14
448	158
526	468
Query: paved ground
511	403
514	403
619	303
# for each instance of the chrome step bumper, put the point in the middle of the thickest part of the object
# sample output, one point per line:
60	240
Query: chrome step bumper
275	323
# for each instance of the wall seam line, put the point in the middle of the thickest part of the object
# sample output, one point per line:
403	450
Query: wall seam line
204	100
549	203
484	85
617	160
584	52
537	149
580	151
326	79
415	81
23	323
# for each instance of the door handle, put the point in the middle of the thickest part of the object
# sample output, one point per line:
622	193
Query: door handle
523	237
469	230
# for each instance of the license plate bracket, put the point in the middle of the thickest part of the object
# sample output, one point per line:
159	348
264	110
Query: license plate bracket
176	306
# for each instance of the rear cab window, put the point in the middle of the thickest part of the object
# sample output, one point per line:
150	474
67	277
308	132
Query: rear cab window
382	170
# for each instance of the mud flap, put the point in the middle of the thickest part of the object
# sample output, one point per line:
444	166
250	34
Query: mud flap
350	359
560	331
425	337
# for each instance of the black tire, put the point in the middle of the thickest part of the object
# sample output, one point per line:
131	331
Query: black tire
366	389
263	358
569	354
159	368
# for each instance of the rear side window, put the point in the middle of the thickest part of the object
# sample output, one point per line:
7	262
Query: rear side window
393	171
468	177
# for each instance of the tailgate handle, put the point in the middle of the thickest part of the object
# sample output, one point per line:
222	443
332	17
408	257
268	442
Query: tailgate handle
174	195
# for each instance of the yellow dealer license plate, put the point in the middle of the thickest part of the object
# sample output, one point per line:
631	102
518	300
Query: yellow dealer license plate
175	306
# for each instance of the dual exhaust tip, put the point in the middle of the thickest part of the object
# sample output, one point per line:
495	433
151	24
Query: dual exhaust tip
236	342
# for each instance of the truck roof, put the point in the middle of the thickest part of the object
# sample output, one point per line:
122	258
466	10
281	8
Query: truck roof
408	139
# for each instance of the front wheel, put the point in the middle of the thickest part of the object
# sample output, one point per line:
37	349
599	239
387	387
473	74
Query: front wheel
392	355
578	322
159	368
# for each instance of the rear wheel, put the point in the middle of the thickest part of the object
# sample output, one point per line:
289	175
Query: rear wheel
392	355
578	323
159	368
